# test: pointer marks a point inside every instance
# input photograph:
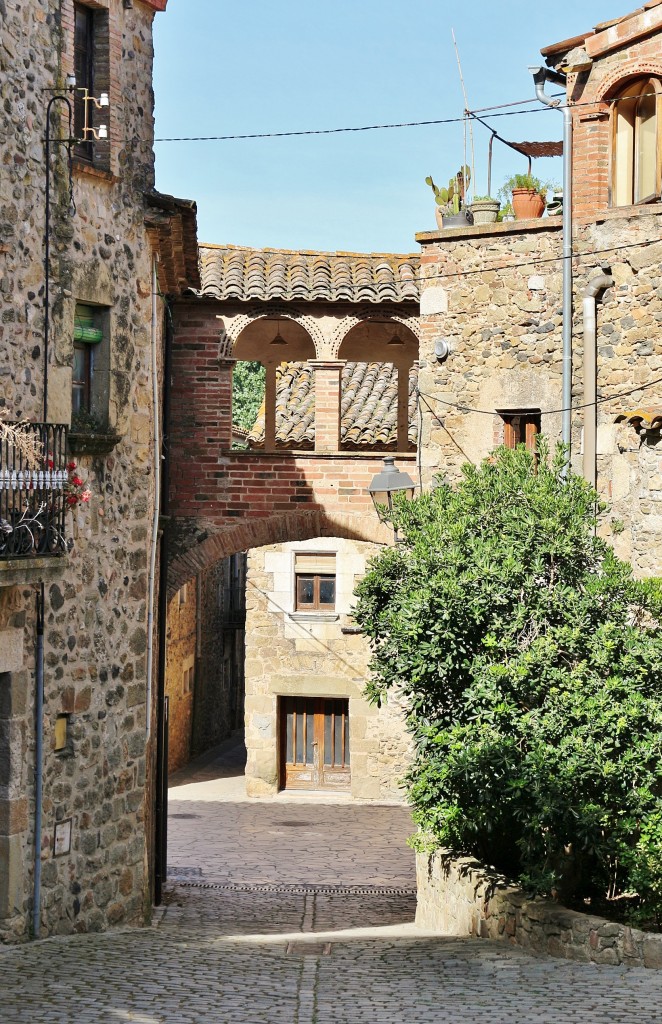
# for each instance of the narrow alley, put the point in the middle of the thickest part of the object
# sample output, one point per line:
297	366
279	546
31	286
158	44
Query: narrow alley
299	911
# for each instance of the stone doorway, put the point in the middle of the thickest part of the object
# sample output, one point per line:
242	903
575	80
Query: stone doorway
314	743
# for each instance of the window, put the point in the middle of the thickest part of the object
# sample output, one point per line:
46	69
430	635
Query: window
315	582
91	371
188	676
636	145
521	428
84	71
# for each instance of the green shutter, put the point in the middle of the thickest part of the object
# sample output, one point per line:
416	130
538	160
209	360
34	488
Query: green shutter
86	326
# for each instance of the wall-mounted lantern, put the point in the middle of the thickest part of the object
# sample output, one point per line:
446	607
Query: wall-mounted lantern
385	484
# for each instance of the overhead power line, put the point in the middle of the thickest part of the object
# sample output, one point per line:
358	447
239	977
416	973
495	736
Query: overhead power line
496	111
543	412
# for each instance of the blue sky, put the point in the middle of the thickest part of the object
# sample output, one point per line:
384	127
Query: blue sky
224	68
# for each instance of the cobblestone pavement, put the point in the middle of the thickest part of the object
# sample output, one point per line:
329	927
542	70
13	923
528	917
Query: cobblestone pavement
320	932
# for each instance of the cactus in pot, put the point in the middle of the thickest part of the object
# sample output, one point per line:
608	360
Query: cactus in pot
450	200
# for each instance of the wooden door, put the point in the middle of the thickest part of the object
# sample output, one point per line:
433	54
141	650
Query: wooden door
314	743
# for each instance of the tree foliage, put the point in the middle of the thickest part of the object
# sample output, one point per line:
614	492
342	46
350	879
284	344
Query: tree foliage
247	393
529	659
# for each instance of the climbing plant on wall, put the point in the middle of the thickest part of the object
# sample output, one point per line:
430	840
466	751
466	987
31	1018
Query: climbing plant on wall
528	658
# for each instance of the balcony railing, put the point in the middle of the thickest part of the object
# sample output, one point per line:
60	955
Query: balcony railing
33	497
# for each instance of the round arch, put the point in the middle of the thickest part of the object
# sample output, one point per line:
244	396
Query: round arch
202	545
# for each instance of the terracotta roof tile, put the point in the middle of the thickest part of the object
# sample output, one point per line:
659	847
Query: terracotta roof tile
369	407
236	272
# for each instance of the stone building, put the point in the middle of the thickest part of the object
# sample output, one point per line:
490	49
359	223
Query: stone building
494	295
80	358
204	680
337	336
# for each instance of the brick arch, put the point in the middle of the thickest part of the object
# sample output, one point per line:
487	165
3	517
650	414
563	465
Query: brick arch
624	72
230	333
200	544
345	325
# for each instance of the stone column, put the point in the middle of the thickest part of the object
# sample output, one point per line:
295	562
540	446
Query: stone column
328	375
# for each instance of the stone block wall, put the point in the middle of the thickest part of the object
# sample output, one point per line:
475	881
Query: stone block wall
462	897
95	639
206	634
495	294
294	655
181	669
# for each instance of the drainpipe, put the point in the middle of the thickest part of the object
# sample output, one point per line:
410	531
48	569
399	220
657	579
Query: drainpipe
540	77
161	769
594	289
39	764
157	496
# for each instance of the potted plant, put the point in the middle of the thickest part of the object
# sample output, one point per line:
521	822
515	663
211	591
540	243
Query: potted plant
484	209
506	212
450	210
527	194
555	204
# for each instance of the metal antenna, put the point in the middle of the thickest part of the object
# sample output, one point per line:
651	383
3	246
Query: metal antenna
466	113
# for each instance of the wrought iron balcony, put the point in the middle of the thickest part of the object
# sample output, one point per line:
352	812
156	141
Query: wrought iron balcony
33	496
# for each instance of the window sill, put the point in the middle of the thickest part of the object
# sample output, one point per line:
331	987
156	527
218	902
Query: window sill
90	170
313	616
88	443
16	572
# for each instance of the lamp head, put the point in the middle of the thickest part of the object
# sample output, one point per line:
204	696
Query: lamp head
386	483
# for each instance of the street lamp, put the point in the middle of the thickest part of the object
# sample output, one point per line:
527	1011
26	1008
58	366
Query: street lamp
385	484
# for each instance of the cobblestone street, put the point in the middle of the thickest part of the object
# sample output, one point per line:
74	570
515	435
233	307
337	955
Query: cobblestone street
299	912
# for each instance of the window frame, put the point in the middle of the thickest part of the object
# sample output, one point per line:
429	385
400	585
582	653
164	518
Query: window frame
521	426
316	605
633	92
84	67
82	386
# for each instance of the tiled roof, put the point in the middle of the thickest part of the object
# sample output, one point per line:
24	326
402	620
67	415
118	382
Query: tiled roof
174	224
644	420
236	272
369	407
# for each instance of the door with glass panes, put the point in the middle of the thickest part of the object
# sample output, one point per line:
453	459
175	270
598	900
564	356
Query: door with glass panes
314	743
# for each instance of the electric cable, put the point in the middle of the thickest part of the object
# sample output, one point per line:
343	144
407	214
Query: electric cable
543	412
498	112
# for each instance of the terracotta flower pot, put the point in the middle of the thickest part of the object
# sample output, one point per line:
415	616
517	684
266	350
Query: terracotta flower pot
527	203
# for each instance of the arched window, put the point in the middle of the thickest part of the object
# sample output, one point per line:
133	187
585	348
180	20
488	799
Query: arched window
637	143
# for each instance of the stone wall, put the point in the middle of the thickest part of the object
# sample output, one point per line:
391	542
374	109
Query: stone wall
205	632
462	897
290	654
181	667
495	294
95	639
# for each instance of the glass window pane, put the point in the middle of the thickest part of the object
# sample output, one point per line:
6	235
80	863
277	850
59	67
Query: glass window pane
299	750
346	738
310	737
305	590
79	364
289	746
327	590
646	147
337	735
328	746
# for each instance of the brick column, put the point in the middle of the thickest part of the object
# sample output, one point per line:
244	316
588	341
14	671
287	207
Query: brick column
327	404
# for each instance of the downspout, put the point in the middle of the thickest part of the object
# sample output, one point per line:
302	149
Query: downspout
39	766
161	773
157	495
540	77
594	289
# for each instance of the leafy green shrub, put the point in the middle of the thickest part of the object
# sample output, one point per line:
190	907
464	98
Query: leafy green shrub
528	658
247	393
